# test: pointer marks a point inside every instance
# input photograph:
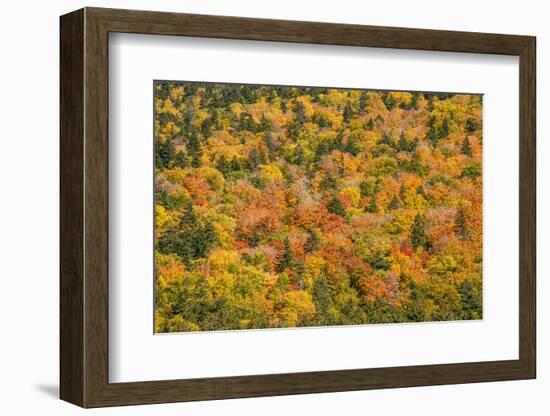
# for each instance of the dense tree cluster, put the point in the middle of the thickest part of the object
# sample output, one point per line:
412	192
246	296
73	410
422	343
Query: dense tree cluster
284	207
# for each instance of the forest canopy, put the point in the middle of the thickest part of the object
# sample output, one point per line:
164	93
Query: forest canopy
285	206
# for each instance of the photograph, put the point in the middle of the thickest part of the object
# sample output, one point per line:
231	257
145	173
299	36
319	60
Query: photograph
270	208
308	206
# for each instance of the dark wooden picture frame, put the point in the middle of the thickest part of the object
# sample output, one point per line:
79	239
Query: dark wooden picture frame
84	207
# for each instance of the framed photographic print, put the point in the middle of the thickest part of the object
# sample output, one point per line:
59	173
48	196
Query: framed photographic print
257	207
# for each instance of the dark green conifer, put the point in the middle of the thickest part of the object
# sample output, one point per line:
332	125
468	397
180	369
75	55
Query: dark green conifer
372	206
461	224
370	124
445	129
236	164
180	161
165	153
466	148
322	299
335	206
403	192
254	158
363	100
194	149
369	187
394	203
418	235
328	183
223	165
313	241
348	112
287	257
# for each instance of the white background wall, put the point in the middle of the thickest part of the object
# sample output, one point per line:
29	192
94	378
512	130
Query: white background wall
29	210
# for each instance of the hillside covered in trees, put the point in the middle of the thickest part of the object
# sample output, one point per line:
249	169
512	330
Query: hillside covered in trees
285	207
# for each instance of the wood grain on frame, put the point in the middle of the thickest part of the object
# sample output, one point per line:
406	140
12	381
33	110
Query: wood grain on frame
84	207
71	215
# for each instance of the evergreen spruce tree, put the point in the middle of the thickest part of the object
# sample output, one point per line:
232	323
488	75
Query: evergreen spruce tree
189	219
414	101
394	203
335	206
436	134
268	140
352	146
418	235
271	96
466	148
180	161
231	94
265	124
432	136
235	164
369	187
206	128
370	124
204	239
188	116
348	112
246	122
363	100
300	157
180	240
406	145
472	125
403	192
372	206
254	158
223	165
339	141
299	112
194	149
328	183
403	143
287	258
389	101
215	119
341	166
322	149
461	224
313	241
165	153
297	123
262	157
445	129
322	299
420	191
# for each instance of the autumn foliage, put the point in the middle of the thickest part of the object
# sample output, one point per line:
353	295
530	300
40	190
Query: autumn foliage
285	206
